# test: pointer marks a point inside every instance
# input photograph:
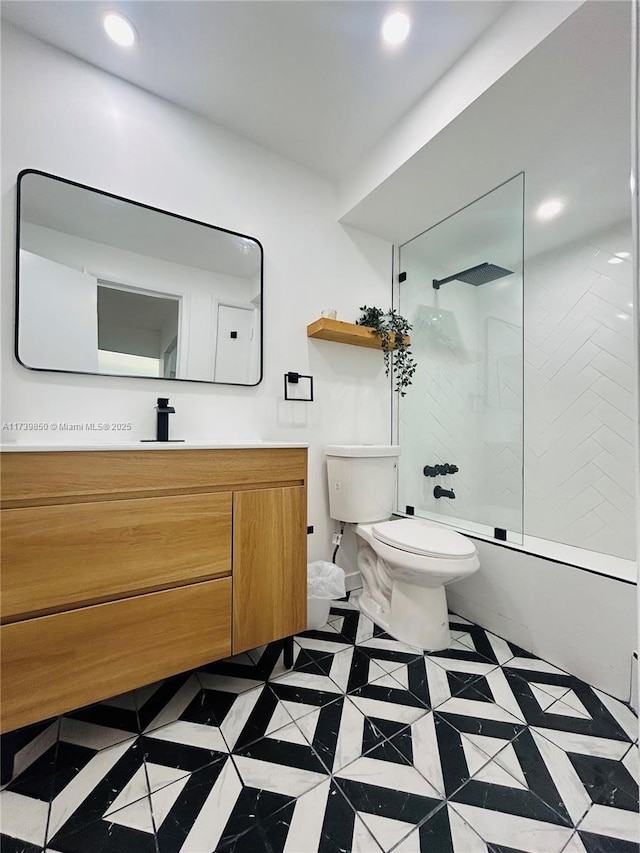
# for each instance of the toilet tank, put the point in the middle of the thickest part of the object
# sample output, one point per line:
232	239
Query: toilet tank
362	481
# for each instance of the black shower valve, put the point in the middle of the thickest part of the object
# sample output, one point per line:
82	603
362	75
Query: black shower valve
439	470
433	470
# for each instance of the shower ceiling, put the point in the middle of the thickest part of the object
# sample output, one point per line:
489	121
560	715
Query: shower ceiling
562	114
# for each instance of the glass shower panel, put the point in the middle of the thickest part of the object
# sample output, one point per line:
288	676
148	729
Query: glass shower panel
462	290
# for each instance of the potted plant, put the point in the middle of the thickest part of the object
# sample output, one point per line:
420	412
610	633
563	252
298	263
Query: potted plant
392	329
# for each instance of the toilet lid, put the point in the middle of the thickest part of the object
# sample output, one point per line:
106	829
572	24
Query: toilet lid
420	537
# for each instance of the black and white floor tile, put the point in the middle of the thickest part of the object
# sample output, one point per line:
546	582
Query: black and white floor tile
366	745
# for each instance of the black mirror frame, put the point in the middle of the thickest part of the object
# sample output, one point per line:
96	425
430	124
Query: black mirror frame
22	174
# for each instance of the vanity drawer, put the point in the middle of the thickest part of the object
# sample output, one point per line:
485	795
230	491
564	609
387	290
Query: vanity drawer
56	557
63	477
56	663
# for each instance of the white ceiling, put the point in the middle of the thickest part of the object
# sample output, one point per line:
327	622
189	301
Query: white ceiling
309	79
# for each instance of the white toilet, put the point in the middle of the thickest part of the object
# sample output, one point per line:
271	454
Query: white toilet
405	563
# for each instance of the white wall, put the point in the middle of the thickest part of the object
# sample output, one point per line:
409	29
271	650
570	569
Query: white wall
580	621
65	117
581	417
58	306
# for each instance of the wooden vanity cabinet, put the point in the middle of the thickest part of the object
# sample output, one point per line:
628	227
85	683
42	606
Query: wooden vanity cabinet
120	568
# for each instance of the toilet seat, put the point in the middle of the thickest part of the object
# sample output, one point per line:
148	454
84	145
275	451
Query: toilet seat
428	540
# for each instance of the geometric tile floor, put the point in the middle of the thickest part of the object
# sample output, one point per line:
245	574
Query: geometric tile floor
366	745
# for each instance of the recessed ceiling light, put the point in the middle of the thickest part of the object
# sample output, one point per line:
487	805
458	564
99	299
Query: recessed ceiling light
622	254
395	27
119	29
616	261
549	209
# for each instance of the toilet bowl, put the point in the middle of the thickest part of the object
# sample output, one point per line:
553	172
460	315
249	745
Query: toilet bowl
405	563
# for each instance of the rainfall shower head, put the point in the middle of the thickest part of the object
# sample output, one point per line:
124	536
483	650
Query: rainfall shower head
481	274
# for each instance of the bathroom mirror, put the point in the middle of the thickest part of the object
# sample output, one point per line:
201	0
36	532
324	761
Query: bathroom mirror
106	285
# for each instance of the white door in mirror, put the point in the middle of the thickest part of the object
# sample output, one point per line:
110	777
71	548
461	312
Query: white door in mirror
235	344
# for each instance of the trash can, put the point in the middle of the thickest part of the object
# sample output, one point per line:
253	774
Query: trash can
325	582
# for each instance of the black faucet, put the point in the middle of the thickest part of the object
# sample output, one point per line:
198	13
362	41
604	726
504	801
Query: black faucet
164	410
439	492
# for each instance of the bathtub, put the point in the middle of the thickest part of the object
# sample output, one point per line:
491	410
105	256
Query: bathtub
571	555
574	608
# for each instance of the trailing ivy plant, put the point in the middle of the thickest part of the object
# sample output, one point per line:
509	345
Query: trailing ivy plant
392	329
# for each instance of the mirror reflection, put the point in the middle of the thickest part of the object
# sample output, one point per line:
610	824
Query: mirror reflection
111	286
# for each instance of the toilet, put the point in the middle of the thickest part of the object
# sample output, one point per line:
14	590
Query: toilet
405	563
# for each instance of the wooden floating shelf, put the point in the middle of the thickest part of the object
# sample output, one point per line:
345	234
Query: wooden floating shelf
325	329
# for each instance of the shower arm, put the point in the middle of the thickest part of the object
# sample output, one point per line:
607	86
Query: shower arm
438	281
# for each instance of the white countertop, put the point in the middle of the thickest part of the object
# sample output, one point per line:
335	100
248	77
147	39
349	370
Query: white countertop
32	447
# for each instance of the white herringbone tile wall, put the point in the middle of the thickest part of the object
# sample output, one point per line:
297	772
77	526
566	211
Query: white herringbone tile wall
441	414
580	406
465	404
